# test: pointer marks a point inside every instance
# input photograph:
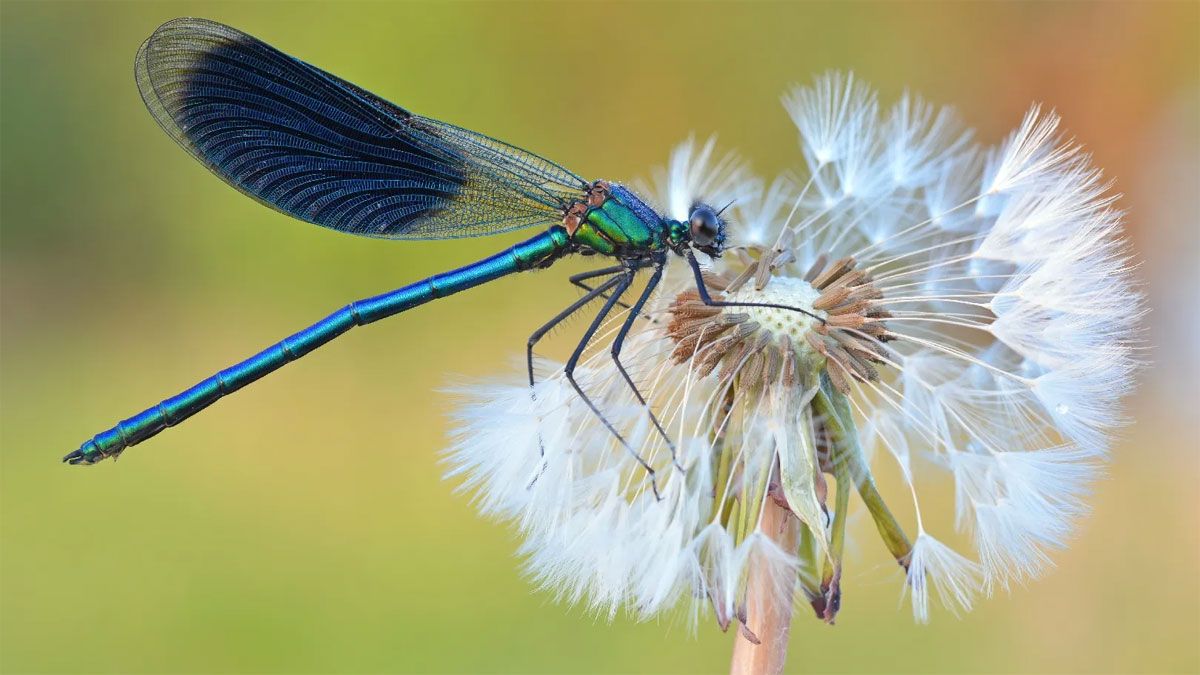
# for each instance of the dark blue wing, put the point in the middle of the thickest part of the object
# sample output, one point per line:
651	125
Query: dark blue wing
318	148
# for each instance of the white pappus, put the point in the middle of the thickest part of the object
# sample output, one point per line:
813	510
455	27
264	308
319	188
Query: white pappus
978	323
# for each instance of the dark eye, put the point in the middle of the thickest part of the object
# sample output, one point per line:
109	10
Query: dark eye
705	226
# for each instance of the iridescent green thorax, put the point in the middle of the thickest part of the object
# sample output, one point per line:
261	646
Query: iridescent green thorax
617	223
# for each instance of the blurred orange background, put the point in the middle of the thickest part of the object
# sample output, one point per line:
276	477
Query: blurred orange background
303	526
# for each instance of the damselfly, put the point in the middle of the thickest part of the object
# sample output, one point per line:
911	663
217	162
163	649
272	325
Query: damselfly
323	150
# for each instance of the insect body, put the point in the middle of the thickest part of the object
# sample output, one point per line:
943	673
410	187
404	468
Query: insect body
320	149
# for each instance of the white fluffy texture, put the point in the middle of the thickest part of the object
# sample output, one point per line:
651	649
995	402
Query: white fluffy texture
1015	319
594	532
953	577
695	172
1013	302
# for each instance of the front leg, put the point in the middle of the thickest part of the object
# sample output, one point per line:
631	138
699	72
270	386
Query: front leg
707	299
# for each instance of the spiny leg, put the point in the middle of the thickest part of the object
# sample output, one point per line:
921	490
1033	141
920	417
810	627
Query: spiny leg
578	279
707	299
548	326
591	295
619	342
625	280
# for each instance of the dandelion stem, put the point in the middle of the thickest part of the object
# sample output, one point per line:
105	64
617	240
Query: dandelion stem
761	648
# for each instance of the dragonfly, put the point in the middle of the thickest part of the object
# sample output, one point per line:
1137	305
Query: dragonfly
320	149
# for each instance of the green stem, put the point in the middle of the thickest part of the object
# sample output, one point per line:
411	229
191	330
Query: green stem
834	407
838	535
752	510
831	578
808	568
734	516
721	497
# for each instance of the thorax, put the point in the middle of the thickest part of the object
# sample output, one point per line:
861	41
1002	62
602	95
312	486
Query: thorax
613	221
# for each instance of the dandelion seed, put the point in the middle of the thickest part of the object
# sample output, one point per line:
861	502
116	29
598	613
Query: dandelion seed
967	305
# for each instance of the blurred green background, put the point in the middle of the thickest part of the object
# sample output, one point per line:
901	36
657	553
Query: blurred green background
304	526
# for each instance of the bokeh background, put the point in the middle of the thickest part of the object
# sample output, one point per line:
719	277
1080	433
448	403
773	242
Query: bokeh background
304	526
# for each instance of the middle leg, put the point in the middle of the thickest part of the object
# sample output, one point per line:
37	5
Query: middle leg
619	343
624	281
578	279
549	325
591	295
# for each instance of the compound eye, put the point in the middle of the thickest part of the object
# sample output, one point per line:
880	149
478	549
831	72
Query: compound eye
705	226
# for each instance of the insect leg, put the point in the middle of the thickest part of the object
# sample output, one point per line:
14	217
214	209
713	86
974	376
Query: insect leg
624	282
578	279
619	342
592	294
549	325
707	299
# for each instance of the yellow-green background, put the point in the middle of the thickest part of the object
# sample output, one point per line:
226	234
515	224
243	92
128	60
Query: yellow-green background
303	525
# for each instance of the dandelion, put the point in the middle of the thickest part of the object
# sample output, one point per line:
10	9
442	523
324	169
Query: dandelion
970	317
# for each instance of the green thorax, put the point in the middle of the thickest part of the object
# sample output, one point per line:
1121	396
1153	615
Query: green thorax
622	224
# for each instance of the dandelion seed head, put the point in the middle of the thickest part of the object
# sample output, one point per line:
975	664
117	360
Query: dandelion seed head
967	314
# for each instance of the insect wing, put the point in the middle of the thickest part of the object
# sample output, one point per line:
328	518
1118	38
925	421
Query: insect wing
323	150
